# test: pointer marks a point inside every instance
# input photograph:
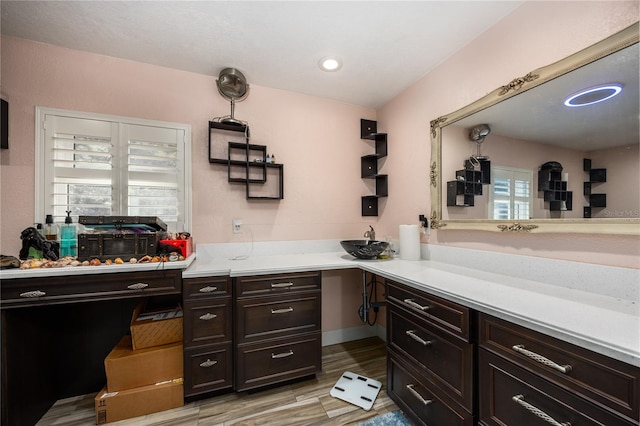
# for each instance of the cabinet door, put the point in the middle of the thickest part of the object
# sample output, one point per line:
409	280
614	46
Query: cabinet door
450	316
446	360
207	321
417	399
510	395
277	361
273	317
603	381
207	369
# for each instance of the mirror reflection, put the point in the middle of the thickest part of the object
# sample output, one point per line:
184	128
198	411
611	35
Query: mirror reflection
542	159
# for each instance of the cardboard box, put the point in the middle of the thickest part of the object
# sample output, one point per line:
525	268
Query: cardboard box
155	327
184	246
114	406
128	369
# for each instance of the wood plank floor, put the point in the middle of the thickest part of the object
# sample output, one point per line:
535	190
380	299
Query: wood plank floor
302	403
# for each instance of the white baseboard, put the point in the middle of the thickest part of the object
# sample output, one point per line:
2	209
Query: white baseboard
353	333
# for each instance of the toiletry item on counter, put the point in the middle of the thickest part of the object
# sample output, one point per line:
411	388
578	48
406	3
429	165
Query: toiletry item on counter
50	229
68	237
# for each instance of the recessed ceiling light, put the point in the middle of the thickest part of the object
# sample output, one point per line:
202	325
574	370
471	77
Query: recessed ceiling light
330	64
593	95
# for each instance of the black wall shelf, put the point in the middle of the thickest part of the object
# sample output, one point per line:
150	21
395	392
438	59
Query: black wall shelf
555	190
595	177
246	163
369	166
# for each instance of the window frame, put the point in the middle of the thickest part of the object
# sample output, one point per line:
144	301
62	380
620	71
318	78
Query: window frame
40	161
512	171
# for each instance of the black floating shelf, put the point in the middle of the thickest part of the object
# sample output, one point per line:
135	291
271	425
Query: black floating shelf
369	166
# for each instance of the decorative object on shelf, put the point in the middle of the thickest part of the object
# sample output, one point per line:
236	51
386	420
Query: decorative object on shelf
469	181
233	86
553	183
369	166
247	163
595	176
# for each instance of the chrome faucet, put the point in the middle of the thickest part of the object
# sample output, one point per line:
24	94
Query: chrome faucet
371	234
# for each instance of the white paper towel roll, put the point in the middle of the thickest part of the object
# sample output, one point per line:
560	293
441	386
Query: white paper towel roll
409	242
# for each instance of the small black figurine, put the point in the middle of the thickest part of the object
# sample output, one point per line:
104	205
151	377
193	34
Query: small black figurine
32	238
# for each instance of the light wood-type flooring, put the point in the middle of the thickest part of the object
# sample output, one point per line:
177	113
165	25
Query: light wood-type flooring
305	402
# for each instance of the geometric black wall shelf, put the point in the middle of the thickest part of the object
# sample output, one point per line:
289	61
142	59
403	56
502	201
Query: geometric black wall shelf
595	176
369	166
247	164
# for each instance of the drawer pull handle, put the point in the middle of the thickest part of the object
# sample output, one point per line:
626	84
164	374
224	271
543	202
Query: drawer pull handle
418	396
34	293
208	289
208	363
281	285
413	304
208	316
282	355
137	286
282	311
519	399
414	336
542	360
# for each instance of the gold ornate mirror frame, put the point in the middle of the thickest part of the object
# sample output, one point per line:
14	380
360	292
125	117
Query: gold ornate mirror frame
630	226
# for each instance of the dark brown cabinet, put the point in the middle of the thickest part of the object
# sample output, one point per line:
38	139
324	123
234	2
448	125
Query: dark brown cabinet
277	328
520	368
208	349
431	357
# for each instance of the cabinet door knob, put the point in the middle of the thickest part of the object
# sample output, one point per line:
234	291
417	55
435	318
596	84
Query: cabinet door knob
137	286
418	396
542	360
414	336
281	311
282	355
208	316
208	289
208	363
519	399
413	304
281	285
34	293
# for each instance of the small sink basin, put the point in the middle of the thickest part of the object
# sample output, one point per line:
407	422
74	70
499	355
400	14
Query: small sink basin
364	249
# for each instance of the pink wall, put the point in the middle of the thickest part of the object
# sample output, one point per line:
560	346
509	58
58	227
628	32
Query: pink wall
534	35
317	140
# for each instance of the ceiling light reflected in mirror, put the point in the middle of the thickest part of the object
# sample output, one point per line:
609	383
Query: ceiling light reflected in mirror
593	95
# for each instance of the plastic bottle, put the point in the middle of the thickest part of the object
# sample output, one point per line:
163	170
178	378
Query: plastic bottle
50	229
33	252
68	237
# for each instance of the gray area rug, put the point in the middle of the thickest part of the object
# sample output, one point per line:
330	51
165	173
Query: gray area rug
393	418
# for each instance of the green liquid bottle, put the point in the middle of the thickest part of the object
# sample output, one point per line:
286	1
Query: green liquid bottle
68	237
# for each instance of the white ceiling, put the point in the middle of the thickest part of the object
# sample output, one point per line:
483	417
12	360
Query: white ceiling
385	46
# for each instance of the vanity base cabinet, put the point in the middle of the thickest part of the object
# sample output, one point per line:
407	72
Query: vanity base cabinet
569	383
208	335
430	357
278	331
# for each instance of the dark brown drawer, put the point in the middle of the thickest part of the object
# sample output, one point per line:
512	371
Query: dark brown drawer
510	395
276	361
279	316
207	321
413	395
74	288
201	288
606	382
264	285
445	360
207	369
448	315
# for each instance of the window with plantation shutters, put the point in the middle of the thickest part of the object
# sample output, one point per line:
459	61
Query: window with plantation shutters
103	165
511	196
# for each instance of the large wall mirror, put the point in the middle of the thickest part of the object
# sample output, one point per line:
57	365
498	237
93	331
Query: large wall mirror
521	160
